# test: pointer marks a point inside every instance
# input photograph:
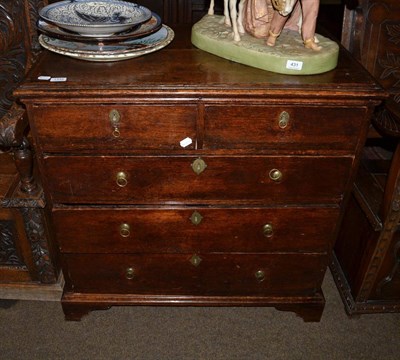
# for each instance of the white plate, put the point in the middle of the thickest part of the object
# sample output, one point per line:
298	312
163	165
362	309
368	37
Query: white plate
115	52
95	17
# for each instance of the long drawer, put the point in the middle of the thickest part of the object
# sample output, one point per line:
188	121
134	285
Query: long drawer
156	179
205	274
152	230
147	230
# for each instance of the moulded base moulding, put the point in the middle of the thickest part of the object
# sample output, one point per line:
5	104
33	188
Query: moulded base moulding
351	305
77	305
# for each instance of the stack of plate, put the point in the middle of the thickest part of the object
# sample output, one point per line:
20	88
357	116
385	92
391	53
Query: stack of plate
101	30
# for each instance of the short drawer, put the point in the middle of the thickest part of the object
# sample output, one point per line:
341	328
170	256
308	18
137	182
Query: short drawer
282	127
199	229
153	179
208	274
111	126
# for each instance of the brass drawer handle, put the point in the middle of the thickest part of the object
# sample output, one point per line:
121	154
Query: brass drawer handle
115	118
130	273
283	119
198	166
124	230
275	175
116	133
268	230
260	275
121	179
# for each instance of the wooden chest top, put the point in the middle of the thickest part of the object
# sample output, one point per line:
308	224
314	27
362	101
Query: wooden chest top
181	70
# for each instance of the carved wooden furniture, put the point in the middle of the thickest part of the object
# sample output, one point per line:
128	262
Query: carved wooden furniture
12	257
18	46
367	254
24	249
27	266
181	178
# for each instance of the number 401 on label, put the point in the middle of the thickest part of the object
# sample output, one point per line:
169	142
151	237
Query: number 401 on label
294	65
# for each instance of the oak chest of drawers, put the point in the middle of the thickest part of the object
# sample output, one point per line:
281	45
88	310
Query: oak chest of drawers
181	178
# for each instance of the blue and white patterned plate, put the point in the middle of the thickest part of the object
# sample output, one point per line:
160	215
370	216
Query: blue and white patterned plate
144	29
95	17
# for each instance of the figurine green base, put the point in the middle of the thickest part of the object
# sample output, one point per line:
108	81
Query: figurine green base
288	56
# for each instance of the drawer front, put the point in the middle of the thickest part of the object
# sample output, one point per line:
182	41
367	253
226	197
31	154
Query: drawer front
132	127
81	179
282	127
150	230
210	274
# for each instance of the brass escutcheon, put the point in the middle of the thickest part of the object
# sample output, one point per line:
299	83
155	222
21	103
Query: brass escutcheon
267	230
275	175
198	166
124	230
283	119
130	273
121	179
195	260
196	218
260	275
115	118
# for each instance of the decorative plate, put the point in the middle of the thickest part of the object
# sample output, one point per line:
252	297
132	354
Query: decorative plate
141	30
113	52
95	17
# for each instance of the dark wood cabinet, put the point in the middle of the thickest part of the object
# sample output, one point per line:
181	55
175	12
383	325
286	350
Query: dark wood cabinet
245	213
366	256
28	265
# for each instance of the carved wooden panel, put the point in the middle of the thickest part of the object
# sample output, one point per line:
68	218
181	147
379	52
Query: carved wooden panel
36	232
8	238
15	258
372	33
24	239
388	65
12	50
24	243
18	45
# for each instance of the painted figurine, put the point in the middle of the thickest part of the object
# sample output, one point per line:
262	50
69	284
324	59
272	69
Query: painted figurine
283	9
267	18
